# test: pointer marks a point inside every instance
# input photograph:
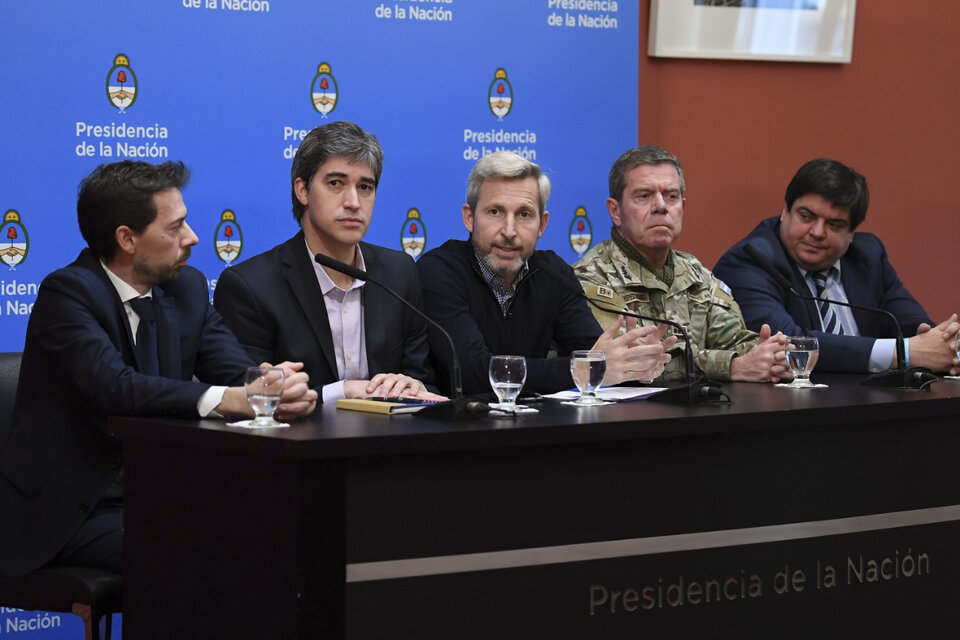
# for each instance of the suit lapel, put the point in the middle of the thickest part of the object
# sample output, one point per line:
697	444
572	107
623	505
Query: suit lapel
854	276
798	281
302	278
122	335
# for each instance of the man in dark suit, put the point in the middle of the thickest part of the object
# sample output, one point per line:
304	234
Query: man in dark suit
121	331
813	244
354	339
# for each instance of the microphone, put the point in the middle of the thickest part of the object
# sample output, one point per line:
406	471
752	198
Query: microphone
694	390
902	377
456	383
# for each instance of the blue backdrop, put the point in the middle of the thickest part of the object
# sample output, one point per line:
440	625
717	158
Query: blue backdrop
231	86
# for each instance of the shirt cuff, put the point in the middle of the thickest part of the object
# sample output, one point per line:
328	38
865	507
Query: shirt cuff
715	363
882	354
209	401
333	392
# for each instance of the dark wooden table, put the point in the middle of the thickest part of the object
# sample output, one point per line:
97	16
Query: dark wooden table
822	513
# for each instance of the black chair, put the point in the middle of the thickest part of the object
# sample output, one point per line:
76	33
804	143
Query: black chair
84	592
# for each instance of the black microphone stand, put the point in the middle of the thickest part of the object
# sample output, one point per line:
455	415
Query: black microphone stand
694	391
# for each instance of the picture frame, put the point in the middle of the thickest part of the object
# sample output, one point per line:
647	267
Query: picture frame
782	30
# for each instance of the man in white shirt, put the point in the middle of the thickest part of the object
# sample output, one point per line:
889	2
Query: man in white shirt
127	329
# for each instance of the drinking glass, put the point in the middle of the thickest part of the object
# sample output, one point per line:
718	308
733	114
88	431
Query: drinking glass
956	348
507	375
802	354
264	387
587	369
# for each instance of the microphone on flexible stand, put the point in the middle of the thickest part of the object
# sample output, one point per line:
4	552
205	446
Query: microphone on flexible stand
456	382
903	377
694	391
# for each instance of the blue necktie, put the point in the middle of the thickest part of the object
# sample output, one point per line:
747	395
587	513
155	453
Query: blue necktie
146	349
831	323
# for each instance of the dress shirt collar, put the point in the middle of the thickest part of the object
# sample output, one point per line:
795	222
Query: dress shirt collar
124	290
326	283
833	272
496	281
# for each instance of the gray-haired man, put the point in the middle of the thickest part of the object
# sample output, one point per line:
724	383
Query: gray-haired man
492	294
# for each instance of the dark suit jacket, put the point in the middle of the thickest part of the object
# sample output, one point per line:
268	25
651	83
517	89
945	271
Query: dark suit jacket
868	279
273	303
79	367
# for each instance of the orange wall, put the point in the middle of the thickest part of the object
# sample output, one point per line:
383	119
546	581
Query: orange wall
741	129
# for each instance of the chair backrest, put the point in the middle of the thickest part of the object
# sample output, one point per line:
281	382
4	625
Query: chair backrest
9	374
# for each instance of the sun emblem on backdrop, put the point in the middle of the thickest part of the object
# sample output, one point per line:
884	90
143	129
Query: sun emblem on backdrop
581	232
323	91
15	242
228	238
413	235
500	94
121	83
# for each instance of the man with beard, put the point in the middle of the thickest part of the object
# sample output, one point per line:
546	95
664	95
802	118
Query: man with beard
492	295
127	329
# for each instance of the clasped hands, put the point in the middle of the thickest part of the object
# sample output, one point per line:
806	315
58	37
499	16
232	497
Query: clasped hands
640	353
298	399
766	362
933	347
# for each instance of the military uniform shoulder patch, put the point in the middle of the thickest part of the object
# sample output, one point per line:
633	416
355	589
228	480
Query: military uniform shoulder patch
604	292
636	296
723	293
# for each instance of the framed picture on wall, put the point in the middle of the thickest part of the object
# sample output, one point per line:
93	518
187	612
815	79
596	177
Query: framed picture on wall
789	30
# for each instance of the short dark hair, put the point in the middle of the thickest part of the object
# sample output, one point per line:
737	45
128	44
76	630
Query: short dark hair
343	139
644	154
121	193
833	181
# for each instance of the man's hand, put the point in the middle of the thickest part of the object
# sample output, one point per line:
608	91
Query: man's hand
298	399
766	362
933	347
639	354
389	385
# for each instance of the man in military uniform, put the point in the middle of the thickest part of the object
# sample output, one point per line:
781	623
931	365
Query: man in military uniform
638	269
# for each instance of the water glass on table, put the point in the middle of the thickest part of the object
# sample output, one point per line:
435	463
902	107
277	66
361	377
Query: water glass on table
956	349
588	369
507	375
802	354
264	387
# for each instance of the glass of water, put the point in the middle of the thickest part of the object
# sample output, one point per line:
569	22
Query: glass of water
507	375
802	354
587	369
956	348
264	387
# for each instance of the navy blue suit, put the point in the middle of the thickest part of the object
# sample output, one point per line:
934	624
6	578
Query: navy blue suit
79	367
868	279
274	305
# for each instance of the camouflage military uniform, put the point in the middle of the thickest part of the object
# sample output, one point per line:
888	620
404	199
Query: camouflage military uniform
696	299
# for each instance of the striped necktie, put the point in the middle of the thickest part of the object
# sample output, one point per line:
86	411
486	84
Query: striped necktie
828	315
